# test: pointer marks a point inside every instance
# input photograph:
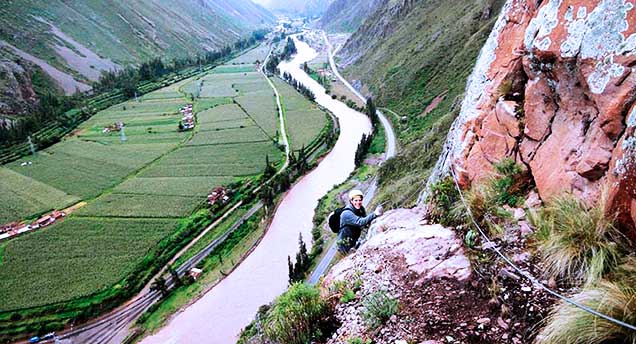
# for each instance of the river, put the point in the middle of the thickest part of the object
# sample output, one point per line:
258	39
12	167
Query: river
219	315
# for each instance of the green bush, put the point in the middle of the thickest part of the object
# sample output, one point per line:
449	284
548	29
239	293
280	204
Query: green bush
378	308
358	340
295	316
444	198
577	243
508	185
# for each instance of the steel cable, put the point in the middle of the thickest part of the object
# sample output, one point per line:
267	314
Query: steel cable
527	275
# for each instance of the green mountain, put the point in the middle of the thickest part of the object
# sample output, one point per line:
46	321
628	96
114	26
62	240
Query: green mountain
347	15
413	57
74	41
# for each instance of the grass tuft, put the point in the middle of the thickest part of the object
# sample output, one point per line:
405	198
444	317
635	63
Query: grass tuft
571	325
577	244
295	315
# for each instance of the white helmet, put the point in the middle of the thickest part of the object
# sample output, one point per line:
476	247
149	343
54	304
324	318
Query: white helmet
355	193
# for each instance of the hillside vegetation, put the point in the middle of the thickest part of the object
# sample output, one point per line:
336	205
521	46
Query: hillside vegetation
124	32
347	15
418	70
62	47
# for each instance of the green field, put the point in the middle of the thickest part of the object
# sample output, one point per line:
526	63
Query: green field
303	119
170	186
257	54
76	257
84	168
243	68
21	196
149	206
138	190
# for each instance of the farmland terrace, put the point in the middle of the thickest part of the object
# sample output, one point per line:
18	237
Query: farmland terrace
141	186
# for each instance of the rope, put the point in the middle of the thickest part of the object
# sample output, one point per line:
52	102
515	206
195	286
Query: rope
527	275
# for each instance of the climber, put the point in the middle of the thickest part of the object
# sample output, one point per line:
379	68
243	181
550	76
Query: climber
352	219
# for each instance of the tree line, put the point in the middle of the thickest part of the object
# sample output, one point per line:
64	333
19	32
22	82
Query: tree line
51	108
298	86
365	142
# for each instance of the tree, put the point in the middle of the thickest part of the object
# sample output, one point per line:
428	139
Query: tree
266	195
175	276
298	269
372	113
270	170
159	284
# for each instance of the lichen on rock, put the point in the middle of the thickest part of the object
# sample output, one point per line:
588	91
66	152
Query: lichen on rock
578	85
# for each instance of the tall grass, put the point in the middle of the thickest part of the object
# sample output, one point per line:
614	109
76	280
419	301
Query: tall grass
578	244
571	325
485	200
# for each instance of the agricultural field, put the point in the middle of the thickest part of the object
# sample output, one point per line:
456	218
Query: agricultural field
74	258
22	197
257	54
137	190
229	136
167	186
241	159
85	169
303	119
242	68
142	205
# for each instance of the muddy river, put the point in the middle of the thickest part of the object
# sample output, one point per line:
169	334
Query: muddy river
219	316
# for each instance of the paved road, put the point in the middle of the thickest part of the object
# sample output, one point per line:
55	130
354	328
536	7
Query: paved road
322	266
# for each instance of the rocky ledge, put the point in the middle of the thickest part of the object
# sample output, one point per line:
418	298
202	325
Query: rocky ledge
440	299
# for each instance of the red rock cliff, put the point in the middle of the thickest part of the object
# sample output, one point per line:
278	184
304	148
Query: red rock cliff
554	89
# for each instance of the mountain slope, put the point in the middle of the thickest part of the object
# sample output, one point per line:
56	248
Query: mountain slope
83	38
414	57
347	15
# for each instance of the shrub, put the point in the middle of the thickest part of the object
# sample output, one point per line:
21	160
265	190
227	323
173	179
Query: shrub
295	316
576	243
569	324
504	89
483	205
508	185
443	198
358	340
378	308
347	296
342	290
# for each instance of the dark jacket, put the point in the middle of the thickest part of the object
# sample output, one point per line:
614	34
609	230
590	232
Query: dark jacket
351	223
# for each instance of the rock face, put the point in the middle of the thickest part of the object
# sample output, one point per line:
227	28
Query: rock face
402	254
554	89
428	251
16	90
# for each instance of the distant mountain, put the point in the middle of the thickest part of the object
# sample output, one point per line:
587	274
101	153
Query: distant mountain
298	7
348	15
74	41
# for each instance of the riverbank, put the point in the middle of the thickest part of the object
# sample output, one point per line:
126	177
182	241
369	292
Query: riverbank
221	313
